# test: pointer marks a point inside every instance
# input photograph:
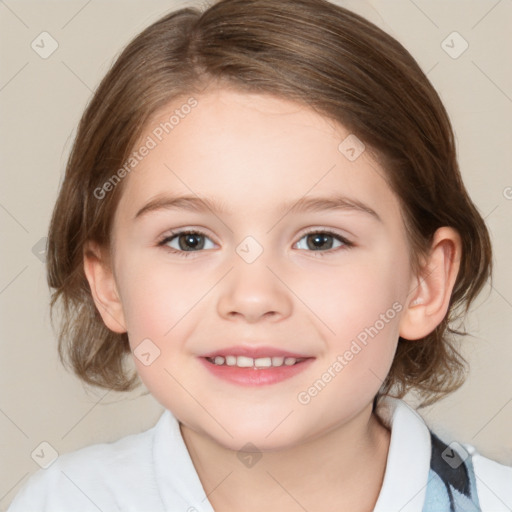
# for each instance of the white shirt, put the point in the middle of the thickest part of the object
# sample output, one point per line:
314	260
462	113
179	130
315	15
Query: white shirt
153	472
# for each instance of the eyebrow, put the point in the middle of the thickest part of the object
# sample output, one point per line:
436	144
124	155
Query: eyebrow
304	204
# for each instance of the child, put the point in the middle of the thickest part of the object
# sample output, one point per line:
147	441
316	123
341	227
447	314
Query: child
263	211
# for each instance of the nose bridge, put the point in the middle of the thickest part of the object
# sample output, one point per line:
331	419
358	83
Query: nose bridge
252	289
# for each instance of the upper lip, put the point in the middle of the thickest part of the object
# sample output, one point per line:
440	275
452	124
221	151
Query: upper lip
254	352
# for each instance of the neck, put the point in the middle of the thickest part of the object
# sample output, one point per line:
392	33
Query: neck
343	468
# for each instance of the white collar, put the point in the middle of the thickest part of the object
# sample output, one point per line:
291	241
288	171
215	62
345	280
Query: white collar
176	476
405	478
408	465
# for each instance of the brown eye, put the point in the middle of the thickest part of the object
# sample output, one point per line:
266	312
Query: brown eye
186	241
322	241
190	241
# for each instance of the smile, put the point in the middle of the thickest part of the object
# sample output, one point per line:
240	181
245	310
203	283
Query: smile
255	371
257	363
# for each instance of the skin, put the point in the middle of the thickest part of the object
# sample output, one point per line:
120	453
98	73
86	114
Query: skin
253	153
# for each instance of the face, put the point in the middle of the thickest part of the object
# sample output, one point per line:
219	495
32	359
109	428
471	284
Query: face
299	260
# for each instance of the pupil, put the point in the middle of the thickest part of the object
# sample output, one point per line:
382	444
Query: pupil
318	240
190	241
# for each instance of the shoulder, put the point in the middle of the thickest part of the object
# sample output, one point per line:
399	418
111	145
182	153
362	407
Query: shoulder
493	482
447	473
106	476
463	479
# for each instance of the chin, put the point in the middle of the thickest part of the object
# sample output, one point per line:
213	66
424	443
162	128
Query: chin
235	433
256	441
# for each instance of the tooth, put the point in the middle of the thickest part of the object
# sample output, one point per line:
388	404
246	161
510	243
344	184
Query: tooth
249	362
230	360
277	361
263	362
244	362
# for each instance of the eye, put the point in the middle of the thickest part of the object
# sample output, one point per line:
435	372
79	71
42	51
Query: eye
183	242
323	241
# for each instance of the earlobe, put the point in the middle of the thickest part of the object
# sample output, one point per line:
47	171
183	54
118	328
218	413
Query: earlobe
430	293
103	287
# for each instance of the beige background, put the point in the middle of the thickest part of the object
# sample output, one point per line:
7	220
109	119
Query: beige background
41	101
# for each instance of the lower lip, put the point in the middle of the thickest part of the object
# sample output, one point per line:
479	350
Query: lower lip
256	377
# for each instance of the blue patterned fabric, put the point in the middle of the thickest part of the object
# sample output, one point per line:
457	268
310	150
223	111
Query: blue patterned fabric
451	483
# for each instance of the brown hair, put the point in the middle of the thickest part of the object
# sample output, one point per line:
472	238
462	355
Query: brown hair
309	51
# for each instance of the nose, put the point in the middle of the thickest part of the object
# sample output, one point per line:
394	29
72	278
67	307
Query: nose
253	292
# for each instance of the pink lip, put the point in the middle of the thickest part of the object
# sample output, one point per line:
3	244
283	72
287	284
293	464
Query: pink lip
256	376
254	352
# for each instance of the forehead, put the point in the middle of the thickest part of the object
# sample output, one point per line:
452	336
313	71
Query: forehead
251	154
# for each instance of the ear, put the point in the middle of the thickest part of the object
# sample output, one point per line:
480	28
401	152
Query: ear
98	270
430	293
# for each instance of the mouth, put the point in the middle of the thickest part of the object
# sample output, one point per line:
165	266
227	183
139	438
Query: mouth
255	363
255	367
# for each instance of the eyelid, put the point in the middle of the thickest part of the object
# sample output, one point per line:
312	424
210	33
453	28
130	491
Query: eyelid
186	229
330	231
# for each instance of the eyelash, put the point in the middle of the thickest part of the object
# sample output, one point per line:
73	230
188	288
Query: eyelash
346	243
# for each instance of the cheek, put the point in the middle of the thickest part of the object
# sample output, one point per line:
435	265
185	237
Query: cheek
156	304
362	310
359	306
160	305
156	296
349	298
